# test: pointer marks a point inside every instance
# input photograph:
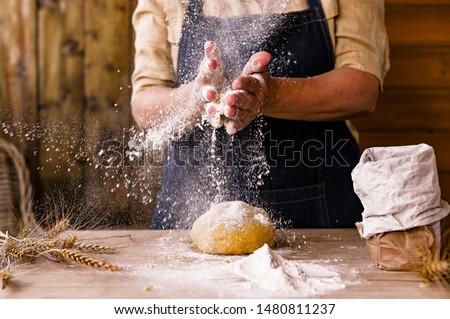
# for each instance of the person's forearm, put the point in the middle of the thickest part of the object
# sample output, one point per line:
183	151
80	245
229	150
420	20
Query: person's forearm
158	105
339	94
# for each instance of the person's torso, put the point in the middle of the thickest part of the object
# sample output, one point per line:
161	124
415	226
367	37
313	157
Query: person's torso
300	45
175	11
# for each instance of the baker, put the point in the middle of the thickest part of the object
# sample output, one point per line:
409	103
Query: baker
288	75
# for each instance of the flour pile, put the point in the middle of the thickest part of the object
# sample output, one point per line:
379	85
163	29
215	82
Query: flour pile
268	270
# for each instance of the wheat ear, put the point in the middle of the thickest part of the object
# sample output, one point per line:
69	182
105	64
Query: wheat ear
83	259
99	249
58	228
5	274
12	251
434	268
69	242
38	245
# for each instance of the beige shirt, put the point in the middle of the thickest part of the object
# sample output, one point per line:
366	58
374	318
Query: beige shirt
356	27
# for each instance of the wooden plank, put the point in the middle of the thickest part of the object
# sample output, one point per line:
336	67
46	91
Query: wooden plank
439	141
444	181
18	77
169	265
18	68
408	110
416	67
418	25
4	92
107	91
61	92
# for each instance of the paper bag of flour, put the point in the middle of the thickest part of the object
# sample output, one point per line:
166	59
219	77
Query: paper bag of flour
401	250
399	189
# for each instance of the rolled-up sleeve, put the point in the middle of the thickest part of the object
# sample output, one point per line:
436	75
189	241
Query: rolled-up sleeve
153	63
361	39
357	31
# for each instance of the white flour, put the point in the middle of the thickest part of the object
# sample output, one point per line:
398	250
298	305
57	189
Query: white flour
268	270
234	213
264	274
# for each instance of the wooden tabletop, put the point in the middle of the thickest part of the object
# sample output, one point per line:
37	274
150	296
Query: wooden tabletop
165	264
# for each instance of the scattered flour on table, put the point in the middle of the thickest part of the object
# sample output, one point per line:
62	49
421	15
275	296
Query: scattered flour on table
180	271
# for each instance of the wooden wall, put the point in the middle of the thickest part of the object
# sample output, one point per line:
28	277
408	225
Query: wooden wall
415	105
65	69
64	95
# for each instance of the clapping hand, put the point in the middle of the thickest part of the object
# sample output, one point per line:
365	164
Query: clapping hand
212	82
250	93
234	107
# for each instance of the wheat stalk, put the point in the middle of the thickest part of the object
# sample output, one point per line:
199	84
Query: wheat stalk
69	242
433	268
12	251
58	228
37	245
99	249
24	231
5	274
83	259
24	249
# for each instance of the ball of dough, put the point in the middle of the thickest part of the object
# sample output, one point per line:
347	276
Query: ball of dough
233	228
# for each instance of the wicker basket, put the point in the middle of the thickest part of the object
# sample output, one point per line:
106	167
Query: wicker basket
15	190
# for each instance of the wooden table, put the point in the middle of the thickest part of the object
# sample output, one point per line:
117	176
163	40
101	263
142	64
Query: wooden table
165	264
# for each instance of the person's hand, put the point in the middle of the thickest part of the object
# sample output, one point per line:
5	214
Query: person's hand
210	82
249	94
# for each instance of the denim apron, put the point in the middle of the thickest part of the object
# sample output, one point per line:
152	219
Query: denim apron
309	181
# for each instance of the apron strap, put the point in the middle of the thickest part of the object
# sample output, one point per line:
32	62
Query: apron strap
314	3
194	8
